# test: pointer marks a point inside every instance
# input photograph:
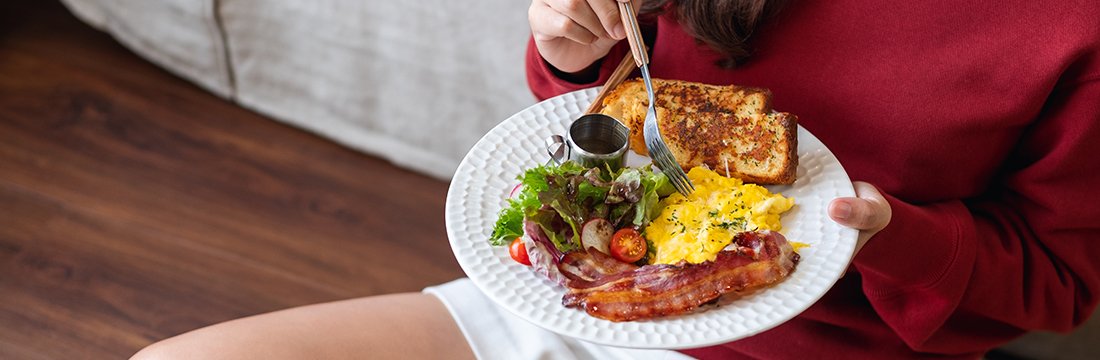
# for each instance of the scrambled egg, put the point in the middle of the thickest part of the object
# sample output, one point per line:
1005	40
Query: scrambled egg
695	228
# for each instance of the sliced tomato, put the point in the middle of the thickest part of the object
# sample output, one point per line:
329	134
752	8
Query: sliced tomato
518	251
627	245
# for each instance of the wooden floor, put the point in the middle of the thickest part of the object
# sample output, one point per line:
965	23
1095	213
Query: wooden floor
135	206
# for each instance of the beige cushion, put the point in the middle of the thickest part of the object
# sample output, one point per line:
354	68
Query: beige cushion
416	82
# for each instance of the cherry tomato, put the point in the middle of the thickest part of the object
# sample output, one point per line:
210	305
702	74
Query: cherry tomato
518	250
627	245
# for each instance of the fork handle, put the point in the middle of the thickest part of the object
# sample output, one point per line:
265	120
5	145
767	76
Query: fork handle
633	33
626	66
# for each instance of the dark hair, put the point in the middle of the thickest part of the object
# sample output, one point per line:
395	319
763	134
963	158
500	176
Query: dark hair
724	25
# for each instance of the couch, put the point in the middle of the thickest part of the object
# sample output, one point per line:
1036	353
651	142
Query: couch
414	82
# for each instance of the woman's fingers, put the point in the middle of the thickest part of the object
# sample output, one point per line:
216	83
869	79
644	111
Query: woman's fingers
608	13
572	34
581	13
548	24
582	21
868	212
855	213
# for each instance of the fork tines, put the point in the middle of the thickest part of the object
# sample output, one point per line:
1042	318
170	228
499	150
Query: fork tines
670	167
661	156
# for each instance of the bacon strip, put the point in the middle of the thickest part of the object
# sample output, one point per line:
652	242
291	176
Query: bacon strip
580	266
761	259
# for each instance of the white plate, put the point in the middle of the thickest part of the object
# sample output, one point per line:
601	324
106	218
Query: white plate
488	172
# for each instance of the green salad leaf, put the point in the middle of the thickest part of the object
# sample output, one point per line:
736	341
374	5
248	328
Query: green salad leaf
561	198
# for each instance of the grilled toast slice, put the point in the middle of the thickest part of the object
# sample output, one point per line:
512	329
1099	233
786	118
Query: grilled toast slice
730	129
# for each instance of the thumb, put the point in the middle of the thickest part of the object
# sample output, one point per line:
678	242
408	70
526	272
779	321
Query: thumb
868	212
855	213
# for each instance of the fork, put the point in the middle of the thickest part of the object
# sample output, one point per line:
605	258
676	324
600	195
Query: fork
658	151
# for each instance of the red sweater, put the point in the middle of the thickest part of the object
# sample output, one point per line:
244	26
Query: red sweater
979	121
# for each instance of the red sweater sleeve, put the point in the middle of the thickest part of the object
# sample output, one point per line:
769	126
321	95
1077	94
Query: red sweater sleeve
1024	257
544	84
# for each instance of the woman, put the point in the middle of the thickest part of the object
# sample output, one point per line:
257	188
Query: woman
974	122
969	125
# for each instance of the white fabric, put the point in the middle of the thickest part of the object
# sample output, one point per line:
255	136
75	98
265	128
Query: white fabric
494	333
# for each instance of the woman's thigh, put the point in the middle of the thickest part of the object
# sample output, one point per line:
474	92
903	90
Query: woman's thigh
409	325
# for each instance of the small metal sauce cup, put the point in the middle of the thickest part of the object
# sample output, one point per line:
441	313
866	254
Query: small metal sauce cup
593	140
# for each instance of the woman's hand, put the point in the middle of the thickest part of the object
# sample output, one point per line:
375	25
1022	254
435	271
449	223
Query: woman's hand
572	34
868	212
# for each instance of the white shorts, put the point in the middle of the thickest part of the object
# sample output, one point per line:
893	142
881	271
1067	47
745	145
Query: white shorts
494	333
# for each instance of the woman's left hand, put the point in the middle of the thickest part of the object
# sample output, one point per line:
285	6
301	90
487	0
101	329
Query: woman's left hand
868	212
